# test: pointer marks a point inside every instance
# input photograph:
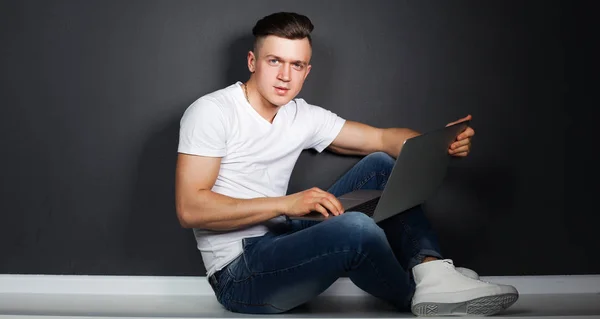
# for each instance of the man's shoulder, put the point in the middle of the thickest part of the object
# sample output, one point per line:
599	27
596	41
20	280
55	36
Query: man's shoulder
224	95
222	100
305	107
221	97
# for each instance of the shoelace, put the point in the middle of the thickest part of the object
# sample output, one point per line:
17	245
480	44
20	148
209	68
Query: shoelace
450	264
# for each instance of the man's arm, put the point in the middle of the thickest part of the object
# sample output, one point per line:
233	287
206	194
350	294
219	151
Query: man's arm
361	139
199	207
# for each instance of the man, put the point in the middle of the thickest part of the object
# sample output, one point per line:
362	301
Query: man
237	149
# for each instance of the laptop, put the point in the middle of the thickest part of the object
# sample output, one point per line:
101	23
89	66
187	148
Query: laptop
418	171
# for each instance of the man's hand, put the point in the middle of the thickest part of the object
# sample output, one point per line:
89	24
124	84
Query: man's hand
313	199
462	146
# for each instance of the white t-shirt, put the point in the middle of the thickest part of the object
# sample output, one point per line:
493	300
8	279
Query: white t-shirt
257	156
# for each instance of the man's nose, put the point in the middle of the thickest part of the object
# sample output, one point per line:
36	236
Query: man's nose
284	73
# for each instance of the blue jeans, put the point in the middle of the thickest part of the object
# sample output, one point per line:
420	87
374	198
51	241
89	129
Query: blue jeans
297	261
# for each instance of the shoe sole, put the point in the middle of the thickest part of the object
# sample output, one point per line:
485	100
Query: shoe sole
484	306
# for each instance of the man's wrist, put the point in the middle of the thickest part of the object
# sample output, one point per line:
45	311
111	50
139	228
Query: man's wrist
280	207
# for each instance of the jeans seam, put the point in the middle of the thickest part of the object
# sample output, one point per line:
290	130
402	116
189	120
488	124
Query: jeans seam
415	245
254	305
254	274
367	179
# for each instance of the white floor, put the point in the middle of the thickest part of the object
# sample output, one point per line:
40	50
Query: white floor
185	297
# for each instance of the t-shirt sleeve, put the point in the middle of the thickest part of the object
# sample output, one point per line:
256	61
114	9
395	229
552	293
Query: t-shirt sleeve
203	130
326	127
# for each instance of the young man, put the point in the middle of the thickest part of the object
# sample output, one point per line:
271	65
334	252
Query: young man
237	149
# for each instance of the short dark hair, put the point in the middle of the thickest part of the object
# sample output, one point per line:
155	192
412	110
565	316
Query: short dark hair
287	25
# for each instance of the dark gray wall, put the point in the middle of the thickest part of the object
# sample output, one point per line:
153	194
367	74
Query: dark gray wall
92	93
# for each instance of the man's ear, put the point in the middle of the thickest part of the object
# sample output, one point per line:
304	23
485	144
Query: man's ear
251	62
308	68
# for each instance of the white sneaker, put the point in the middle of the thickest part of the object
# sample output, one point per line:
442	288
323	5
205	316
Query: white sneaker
442	290
468	272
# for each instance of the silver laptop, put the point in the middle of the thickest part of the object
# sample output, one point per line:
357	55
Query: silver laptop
419	170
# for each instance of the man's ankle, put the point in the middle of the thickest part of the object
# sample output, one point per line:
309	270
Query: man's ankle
428	258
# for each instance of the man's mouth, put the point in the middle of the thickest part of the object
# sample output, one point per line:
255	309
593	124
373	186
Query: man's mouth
281	90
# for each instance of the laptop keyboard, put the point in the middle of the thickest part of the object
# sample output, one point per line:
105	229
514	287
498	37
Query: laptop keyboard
367	207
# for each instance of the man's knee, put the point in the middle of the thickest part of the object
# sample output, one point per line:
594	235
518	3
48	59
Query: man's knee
381	160
361	230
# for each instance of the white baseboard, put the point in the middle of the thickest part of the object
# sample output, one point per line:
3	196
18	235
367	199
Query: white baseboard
198	286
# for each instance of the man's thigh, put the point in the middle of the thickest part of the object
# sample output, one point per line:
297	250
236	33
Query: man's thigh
279	271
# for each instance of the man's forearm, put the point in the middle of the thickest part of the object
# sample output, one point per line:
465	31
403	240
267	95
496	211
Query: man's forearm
392	139
210	210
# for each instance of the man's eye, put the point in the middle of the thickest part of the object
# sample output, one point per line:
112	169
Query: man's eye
273	61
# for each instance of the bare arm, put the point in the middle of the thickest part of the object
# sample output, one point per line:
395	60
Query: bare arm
199	207
361	139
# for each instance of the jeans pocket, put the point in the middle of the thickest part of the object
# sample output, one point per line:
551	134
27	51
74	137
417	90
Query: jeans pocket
238	269
249	242
221	288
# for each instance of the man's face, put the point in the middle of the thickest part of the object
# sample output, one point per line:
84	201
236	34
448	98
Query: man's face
280	67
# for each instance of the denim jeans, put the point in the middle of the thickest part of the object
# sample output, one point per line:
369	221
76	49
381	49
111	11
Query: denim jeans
294	263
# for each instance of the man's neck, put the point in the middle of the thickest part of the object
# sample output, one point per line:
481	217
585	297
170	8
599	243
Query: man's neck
263	107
